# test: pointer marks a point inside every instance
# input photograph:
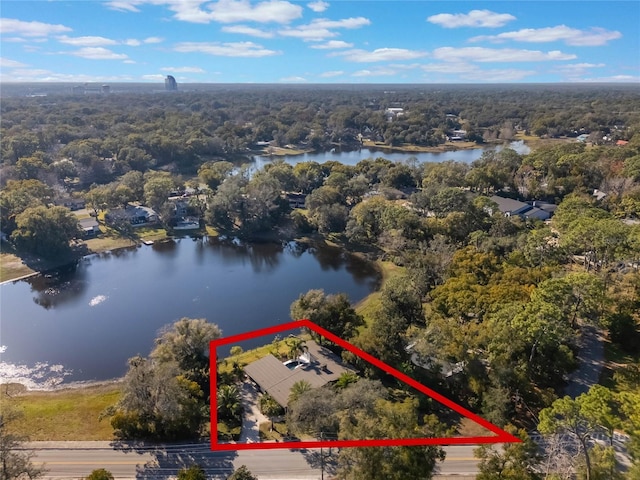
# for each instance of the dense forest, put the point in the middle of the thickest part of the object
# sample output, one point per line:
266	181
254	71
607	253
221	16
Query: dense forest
496	305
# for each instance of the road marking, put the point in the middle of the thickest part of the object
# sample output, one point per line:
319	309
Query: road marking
93	462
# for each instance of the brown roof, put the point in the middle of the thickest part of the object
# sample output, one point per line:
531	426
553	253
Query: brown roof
276	379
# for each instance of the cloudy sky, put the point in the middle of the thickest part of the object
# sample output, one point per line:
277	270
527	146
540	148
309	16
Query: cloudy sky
318	41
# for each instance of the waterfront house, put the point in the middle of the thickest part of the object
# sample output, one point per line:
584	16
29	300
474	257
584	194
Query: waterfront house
89	226
317	365
136	215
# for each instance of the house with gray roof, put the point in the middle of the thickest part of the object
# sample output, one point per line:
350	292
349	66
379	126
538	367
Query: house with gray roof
317	365
536	210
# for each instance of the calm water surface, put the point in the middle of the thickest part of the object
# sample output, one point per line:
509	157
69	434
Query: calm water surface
86	323
354	156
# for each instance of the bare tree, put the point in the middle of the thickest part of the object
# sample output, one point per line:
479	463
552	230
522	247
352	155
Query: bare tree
15	460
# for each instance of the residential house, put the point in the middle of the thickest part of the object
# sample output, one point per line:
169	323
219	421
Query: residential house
71	203
317	365
536	210
296	200
136	215
89	226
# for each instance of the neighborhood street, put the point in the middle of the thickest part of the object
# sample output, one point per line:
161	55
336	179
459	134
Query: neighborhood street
73	460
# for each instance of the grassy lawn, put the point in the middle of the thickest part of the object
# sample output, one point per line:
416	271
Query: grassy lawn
12	267
245	358
69	414
278	432
108	242
227	433
371	303
150	234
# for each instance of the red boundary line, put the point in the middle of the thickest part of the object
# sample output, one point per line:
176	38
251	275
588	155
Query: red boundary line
501	435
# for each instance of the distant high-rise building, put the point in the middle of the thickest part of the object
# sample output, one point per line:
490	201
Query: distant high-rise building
170	84
106	89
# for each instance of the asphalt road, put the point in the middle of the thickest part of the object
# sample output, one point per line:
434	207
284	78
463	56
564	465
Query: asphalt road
74	460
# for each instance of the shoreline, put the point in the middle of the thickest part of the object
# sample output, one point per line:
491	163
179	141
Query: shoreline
18	388
23	388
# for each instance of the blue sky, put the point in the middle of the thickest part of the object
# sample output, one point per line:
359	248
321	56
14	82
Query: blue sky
318	41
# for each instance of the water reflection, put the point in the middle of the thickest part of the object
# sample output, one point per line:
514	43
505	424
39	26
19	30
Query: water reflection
64	285
263	257
106	308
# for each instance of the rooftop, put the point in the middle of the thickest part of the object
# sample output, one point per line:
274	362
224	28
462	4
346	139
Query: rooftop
276	379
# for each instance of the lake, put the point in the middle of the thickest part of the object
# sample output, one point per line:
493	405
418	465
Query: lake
84	324
354	156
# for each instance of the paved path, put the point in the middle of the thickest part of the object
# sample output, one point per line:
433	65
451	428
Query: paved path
590	361
252	417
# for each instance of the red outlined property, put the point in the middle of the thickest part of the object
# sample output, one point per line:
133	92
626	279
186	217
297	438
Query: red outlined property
500	435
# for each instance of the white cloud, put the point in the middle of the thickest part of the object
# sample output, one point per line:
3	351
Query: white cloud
8	63
246	30
125	5
223	11
378	72
332	45
234	11
452	67
154	76
615	78
14	39
497	75
98	53
380	55
88	41
576	72
571	36
30	29
481	54
318	6
29	72
334	73
183	69
92	41
321	28
128	61
236	49
36	75
475	18
293	79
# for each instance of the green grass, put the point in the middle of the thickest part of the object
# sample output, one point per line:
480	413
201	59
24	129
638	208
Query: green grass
371	303
69	414
151	234
12	267
227	433
104	243
245	358
278	432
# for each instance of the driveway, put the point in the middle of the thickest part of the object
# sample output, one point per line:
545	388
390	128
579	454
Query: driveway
252	417
590	361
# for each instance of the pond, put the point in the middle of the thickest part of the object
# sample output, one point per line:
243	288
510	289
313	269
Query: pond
84	323
354	156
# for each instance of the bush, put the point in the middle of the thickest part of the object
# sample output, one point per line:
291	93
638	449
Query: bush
100	474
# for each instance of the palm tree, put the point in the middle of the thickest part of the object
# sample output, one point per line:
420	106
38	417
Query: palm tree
295	345
229	406
297	389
